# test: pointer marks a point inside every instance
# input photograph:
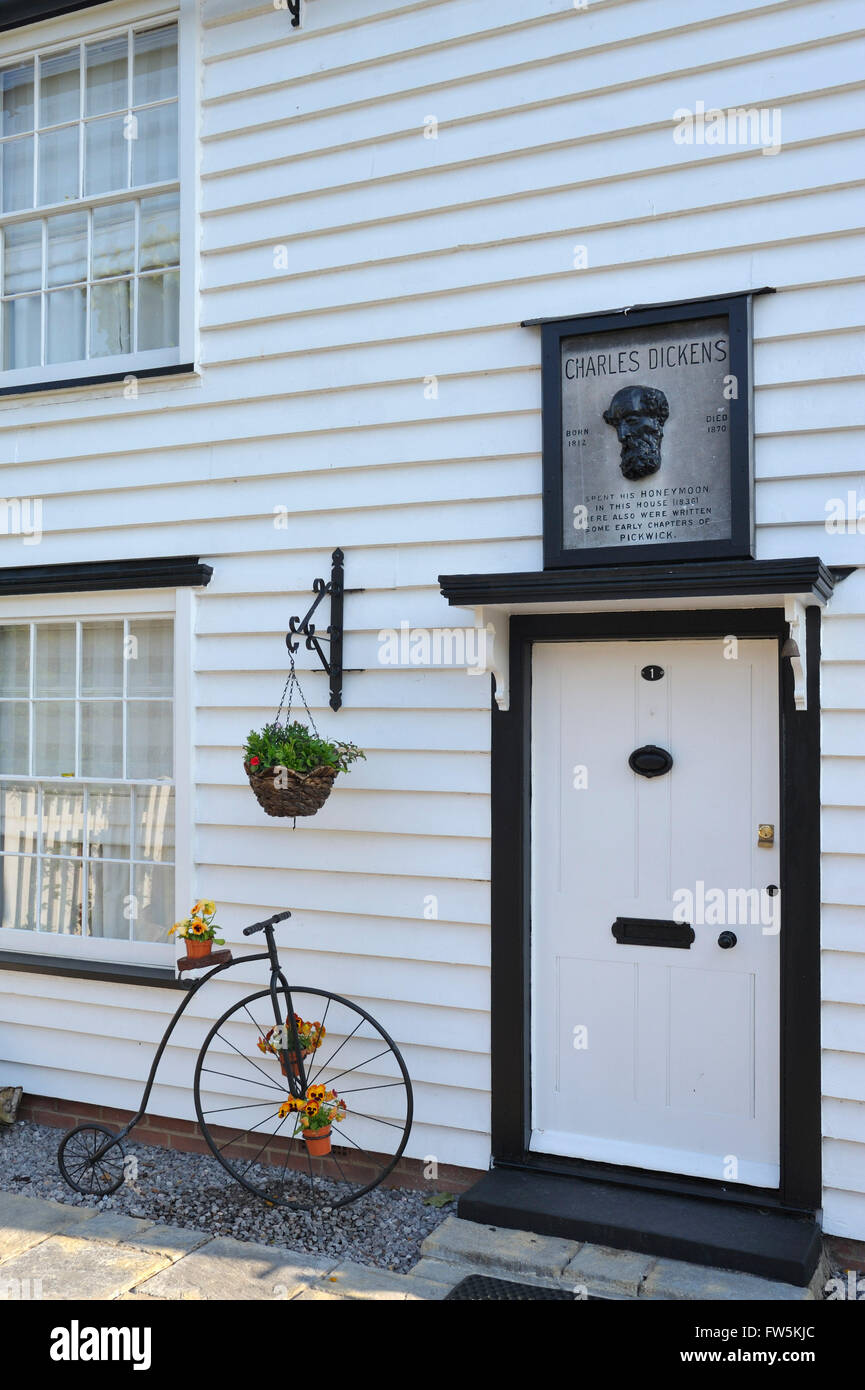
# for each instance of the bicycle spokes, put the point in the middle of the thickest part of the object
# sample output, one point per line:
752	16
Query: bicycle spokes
326	1073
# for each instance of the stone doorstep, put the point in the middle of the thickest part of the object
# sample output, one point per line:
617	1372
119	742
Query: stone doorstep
469	1247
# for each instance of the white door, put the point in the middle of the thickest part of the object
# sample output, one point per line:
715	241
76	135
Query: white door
659	1056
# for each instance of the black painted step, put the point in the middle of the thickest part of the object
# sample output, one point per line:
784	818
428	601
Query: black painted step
773	1244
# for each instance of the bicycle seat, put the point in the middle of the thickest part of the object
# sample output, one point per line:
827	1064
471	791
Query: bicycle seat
262	926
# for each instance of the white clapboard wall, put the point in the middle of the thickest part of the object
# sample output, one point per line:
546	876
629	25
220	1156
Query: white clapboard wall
409	258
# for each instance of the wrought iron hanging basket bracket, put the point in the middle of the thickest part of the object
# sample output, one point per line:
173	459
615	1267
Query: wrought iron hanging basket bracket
303	627
293	7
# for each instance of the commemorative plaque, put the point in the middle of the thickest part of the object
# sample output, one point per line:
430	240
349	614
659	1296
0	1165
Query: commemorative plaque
647	438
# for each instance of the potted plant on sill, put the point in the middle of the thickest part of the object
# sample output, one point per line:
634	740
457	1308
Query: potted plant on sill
199	930
291	769
321	1109
279	1042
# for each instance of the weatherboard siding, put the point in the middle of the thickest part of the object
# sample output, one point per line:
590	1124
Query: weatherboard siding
345	262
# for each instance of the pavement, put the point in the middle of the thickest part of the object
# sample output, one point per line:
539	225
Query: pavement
52	1251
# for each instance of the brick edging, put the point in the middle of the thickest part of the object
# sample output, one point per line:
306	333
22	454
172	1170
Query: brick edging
185	1136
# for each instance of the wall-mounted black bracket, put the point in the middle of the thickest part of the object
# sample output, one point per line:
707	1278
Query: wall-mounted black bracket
302	627
294	11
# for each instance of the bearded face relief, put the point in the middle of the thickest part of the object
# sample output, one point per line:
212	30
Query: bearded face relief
638	415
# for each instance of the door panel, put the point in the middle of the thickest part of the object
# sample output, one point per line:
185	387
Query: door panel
653	1055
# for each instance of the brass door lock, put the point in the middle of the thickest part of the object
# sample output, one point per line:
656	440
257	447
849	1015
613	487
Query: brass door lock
765	836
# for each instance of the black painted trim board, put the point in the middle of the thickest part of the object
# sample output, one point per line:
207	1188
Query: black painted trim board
511	866
804	576
16	13
85	576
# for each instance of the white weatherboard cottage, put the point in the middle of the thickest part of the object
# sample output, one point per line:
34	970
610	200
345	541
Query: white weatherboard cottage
269	290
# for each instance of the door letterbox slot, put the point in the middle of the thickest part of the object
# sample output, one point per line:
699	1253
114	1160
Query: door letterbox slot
652	931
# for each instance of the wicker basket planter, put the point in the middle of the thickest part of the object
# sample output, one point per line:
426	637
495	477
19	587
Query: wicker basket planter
280	791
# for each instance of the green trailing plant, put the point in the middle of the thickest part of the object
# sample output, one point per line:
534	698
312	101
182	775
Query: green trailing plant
297	747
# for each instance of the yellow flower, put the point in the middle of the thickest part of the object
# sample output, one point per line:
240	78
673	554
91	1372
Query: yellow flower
317	1092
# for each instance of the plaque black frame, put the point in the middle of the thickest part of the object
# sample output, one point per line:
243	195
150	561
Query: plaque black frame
737	308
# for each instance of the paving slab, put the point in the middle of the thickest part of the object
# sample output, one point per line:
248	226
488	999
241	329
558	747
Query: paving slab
675	1279
236	1269
445	1274
602	1270
351	1280
25	1221
68	1268
115	1228
484	1247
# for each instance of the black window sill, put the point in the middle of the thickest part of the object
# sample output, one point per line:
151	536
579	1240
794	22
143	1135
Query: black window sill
113	972
70	383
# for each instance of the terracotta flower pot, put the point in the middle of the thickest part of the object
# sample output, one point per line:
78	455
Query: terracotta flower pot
196	947
295	1065
317	1142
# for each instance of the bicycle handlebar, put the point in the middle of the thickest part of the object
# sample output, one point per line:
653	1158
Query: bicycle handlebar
271	922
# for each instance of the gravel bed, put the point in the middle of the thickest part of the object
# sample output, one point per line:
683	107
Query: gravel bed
385	1228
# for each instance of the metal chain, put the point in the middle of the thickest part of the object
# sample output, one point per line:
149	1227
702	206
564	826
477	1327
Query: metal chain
290	685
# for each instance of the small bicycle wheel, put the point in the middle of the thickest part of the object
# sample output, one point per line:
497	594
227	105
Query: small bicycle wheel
240	1088
90	1158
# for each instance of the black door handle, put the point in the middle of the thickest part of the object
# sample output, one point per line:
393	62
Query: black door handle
727	939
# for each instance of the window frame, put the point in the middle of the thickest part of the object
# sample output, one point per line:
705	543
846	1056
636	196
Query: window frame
86	26
178	604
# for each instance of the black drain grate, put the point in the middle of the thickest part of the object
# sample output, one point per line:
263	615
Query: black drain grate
479	1287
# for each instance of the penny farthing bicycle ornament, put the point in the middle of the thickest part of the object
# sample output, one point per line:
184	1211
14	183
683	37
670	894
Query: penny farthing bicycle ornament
301	1095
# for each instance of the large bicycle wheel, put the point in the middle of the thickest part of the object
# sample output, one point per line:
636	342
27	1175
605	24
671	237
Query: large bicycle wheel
240	1088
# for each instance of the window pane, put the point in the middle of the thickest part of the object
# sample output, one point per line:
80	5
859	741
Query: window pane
113	240
151	658
58	165
18	893
154	823
66	248
23	267
61	897
63	820
16	88
18	174
107	901
153	889
159	311
14	736
22	332
15	660
54	738
154	150
108	822
101	738
101	658
106	84
149	739
18	820
105	156
160	232
111	318
65	330
59	88
55	659
155	65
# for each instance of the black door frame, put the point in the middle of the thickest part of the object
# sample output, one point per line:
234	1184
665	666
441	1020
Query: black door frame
799	762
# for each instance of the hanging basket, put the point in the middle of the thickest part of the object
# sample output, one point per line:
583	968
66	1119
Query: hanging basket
281	791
